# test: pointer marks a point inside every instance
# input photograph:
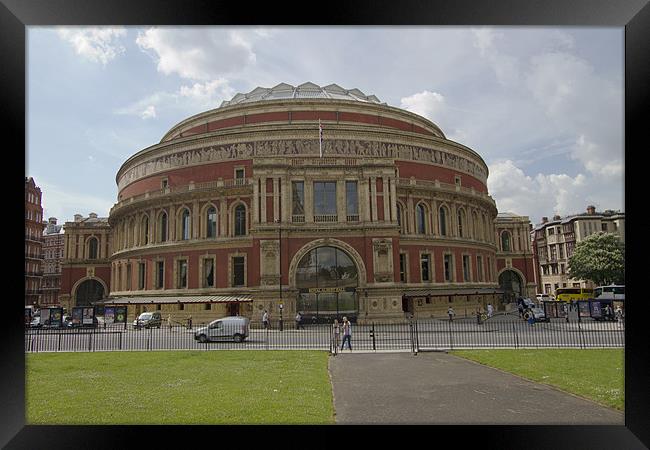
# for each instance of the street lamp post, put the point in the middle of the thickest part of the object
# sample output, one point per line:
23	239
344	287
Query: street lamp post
280	269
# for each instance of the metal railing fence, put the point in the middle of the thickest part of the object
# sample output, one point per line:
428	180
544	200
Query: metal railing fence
408	335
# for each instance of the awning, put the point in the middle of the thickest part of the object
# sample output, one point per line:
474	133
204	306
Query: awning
178	299
442	292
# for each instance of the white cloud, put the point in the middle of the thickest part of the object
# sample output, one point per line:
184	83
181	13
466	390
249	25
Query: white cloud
149	112
425	103
63	204
199	53
96	44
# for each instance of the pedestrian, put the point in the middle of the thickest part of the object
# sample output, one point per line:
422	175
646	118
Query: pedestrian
189	322
451	313
566	313
347	334
265	319
478	316
336	333
520	307
299	321
490	310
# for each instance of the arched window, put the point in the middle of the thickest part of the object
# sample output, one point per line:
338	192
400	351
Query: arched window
420	218
505	241
443	221
92	248
185	225
240	220
163	227
211	224
461	222
145	230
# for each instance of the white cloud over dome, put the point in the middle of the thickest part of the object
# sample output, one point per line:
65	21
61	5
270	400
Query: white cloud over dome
96	44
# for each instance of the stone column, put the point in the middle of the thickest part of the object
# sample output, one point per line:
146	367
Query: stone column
393	198
285	212
410	216
309	200
276	199
255	210
364	195
341	206
373	198
263	199
223	217
196	217
171	223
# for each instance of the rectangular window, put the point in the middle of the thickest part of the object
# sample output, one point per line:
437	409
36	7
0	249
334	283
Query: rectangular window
547	288
324	197
603	227
425	267
562	269
561	248
298	198
141	275
182	274
239	176
466	268
208	272
160	274
551	231
402	267
238	268
447	267
351	200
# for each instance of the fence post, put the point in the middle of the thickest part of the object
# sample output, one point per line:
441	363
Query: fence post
59	347
514	330
580	332
372	335
451	337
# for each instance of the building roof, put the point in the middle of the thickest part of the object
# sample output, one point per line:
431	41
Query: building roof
284	91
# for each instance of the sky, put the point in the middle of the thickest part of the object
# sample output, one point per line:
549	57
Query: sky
542	106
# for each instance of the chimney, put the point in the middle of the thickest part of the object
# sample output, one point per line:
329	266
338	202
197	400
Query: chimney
544	219
78	217
591	209
556	217
52	220
92	215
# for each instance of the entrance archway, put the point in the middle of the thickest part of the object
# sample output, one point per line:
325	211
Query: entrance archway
511	284
88	292
327	279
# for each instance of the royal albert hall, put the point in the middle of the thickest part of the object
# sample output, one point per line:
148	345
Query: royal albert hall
251	206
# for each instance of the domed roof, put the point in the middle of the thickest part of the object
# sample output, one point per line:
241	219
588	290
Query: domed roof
285	91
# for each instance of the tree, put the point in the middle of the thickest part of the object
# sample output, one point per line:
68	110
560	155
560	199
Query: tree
599	258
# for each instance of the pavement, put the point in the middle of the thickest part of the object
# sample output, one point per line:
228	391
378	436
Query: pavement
437	388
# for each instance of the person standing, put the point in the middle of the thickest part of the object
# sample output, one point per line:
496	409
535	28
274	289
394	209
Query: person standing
265	320
336	333
490	310
189	322
299	321
451	313
347	334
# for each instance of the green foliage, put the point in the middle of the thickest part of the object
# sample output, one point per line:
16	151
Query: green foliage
599	258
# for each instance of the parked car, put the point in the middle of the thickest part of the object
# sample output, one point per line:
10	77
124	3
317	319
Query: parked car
148	320
537	313
36	322
229	328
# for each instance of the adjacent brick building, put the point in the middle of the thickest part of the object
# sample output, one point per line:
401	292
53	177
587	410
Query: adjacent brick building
33	242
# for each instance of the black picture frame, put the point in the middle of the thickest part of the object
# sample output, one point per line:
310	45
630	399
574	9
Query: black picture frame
634	15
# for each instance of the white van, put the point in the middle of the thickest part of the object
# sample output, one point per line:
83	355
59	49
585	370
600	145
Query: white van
231	328
543	298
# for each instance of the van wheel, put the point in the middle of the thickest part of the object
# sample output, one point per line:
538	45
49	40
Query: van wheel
238	338
203	339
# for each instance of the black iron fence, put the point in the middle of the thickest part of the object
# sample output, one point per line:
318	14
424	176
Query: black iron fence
503	331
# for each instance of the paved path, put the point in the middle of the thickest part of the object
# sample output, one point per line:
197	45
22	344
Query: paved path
438	388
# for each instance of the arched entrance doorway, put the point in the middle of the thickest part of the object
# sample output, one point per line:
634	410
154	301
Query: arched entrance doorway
327	279
88	292
512	286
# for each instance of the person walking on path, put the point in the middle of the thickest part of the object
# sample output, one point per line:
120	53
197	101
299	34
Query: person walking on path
336	333
299	321
189	322
451	313
490	310
347	334
265	320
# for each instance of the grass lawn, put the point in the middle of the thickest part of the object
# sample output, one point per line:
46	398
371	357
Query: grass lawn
185	387
596	374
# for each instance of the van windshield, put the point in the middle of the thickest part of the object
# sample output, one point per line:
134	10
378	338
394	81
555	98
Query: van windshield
145	316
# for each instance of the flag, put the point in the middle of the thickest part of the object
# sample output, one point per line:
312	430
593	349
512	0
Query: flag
320	136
